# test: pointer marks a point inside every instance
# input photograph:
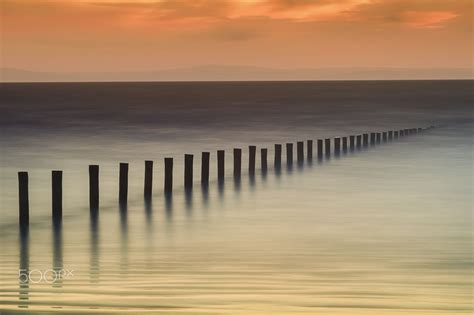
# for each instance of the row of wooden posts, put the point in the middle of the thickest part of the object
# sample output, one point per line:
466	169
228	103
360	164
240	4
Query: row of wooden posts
323	149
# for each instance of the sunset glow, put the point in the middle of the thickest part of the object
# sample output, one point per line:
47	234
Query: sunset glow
122	35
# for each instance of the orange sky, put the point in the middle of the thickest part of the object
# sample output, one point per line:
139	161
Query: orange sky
120	35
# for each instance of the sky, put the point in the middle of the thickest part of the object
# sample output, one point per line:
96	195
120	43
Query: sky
153	35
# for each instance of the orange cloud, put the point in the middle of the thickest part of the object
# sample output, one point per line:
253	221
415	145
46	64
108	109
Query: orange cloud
427	19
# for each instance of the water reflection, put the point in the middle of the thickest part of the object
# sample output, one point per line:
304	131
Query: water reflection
24	268
94	270
58	252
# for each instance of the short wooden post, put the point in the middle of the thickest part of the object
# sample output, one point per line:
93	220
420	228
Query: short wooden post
300	151
359	141
220	165
320	148
372	138
252	158
94	187
352	142
148	188
277	162
337	146
327	145
123	183
188	171
309	149
237	162
205	161
289	153
344	144
263	159
365	139
379	137
420	129
24	203
390	135
384	136
57	194
168	175
396	134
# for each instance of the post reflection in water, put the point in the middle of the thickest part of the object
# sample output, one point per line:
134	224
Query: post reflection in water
58	252
94	270
24	280
124	237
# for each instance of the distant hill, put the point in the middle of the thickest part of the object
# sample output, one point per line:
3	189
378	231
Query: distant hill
238	73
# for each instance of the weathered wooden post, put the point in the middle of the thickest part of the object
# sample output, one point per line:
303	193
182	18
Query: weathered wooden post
365	140
220	165
327	146
94	187
148	188
372	138
168	175
123	182
252	158
320	148
344	144
24	203
263	159
420	129
57	194
188	171
379	137
390	135
237	163
359	141
289	153
205	161
337	146
384	136
352	143
396	134
309	144
300	151
277	161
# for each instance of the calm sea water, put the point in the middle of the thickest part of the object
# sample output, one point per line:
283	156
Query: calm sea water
387	230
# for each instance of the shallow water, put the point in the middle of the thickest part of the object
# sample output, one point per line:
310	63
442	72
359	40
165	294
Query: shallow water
382	230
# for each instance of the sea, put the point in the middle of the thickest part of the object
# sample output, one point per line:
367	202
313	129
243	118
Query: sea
380	230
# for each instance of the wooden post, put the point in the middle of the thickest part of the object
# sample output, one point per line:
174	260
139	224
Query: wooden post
252	157
188	171
220	164
390	135
327	145
168	175
395	134
57	194
320	148
352	142
263	159
379	137
205	161
289	153
123	183
277	155
309	149
337	146
24	203
372	138
365	140
94	187
300	151
344	144
148	188
359	141
420	129
384	136
237	162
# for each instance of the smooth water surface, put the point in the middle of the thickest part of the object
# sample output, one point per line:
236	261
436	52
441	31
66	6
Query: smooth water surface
385	230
